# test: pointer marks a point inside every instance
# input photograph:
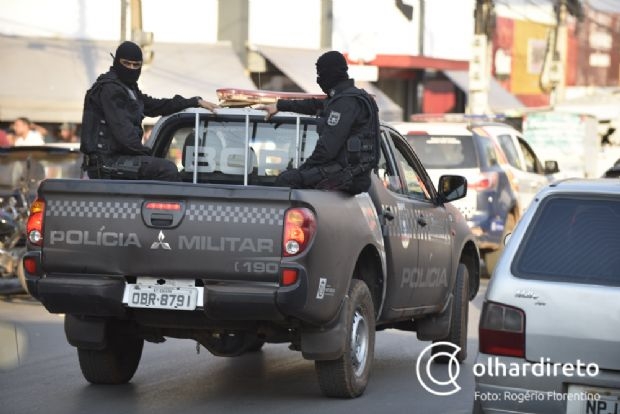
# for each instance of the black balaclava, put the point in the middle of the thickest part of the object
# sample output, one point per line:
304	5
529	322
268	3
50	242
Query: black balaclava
331	69
129	51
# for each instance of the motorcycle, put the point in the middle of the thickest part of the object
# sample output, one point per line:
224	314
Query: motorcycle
14	210
21	171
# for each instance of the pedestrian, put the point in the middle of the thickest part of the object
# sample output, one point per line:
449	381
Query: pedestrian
25	134
67	132
348	146
5	139
114	107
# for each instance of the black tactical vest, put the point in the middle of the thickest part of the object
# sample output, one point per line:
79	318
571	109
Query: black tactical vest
363	147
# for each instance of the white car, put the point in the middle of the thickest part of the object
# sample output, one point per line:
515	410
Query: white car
548	337
502	171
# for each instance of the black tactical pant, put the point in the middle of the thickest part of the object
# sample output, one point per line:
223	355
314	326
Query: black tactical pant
135	167
338	179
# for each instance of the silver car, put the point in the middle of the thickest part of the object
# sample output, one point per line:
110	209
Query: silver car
550	325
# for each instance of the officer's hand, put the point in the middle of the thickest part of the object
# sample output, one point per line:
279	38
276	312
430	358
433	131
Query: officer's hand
271	109
208	105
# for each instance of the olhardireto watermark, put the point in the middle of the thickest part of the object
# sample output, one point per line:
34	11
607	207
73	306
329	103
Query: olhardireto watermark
497	368
543	368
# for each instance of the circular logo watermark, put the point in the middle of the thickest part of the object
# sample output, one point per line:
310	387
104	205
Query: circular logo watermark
437	387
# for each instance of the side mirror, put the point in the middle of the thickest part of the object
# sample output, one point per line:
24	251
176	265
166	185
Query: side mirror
452	187
551	167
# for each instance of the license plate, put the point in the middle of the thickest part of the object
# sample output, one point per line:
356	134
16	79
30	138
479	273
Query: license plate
161	297
592	400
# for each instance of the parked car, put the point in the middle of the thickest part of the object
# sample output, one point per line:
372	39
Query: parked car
491	206
21	170
552	308
530	174
503	171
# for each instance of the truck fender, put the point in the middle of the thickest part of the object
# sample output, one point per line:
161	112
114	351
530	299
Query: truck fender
326	342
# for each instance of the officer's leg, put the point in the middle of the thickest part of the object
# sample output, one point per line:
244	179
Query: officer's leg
289	178
152	168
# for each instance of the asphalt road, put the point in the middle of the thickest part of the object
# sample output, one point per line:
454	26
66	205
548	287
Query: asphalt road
39	373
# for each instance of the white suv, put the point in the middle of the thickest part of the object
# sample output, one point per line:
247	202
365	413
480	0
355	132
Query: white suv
502	171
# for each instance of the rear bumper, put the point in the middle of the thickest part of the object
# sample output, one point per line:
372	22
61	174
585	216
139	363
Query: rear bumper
102	296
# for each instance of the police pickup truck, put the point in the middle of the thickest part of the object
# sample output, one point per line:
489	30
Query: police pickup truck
231	261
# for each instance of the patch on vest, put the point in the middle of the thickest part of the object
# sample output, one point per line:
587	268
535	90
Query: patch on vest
333	119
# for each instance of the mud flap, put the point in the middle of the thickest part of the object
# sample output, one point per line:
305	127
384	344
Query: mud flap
327	342
436	326
85	333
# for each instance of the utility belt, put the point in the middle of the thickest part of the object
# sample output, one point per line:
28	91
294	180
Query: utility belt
122	167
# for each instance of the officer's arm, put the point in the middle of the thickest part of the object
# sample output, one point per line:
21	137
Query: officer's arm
339	120
301	106
166	106
115	104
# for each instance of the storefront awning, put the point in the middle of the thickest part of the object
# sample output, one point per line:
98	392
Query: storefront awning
299	66
499	98
45	79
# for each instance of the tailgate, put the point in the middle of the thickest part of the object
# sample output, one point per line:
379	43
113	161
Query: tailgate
171	230
583	320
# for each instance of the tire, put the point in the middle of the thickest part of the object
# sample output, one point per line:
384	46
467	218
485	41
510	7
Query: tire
491	258
115	364
255	345
347	376
458	320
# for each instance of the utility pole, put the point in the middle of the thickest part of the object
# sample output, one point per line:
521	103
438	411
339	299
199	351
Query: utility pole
480	62
557	75
123	20
137	35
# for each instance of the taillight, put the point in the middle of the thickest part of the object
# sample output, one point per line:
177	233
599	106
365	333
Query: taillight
288	277
30	264
34	227
299	228
502	330
154	205
484	181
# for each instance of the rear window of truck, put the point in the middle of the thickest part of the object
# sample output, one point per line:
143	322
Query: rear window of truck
217	153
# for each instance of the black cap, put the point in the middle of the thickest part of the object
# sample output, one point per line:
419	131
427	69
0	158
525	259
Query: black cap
128	50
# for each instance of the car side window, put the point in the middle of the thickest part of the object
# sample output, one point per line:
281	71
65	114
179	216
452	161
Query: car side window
508	146
414	183
386	173
489	151
532	164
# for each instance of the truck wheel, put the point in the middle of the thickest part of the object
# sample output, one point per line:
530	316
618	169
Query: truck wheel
115	364
255	345
458	320
347	376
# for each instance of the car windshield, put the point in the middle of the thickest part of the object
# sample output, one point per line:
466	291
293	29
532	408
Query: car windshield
572	240
444	151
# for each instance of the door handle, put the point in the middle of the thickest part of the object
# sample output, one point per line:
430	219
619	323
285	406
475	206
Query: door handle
161	220
387	214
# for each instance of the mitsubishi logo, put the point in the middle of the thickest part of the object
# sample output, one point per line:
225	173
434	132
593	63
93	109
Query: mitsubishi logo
160	243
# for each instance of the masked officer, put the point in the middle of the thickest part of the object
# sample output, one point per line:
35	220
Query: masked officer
114	108
348	146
